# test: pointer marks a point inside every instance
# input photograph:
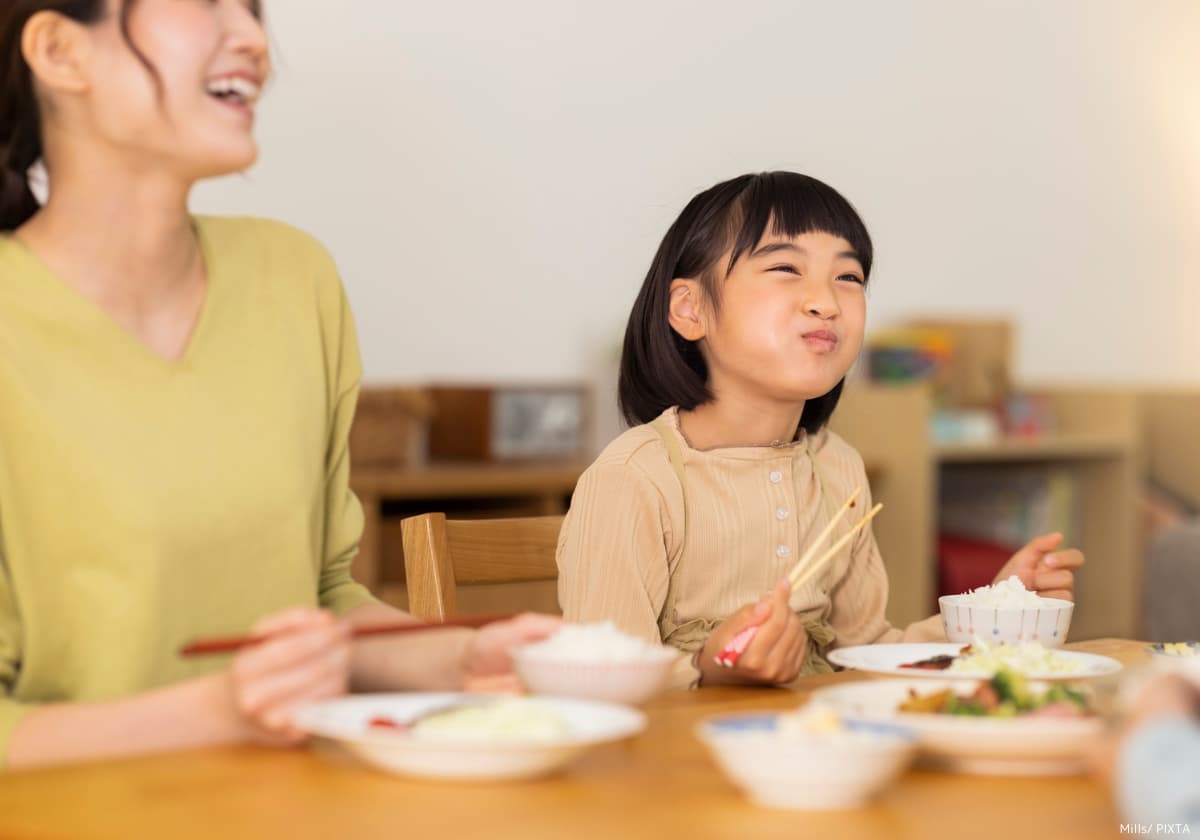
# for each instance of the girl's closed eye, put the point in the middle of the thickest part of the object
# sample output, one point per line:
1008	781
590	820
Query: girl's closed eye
853	278
790	269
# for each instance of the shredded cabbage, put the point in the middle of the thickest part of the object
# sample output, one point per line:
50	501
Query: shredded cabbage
1024	658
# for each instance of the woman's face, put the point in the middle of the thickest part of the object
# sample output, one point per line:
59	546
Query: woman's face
192	110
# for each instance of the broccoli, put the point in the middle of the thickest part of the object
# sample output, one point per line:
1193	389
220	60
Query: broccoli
1060	693
965	707
1013	688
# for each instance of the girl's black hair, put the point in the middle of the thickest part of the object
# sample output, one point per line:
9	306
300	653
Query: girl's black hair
660	368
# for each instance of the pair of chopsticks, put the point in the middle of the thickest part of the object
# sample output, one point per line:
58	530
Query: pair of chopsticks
228	644
804	571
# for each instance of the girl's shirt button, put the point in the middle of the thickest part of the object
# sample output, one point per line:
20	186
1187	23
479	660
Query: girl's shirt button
783	551
776	476
781	514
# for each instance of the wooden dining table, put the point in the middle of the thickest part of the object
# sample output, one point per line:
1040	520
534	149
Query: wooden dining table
659	784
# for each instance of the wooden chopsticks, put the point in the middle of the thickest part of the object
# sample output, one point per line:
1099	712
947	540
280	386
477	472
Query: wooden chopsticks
228	644
797	580
793	575
800	575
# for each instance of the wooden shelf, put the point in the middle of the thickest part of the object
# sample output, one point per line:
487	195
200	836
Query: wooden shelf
1071	447
470	480
1098	442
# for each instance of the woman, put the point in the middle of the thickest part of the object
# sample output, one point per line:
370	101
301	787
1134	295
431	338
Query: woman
177	395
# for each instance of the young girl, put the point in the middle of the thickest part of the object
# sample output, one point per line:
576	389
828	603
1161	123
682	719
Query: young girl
735	355
177	394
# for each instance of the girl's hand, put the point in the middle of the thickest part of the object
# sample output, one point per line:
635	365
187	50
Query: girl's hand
775	654
306	658
1044	570
487	665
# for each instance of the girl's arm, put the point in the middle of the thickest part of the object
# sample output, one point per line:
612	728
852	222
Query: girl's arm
307	660
613	553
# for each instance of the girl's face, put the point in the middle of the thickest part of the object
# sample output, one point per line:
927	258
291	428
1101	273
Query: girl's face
790	321
194	111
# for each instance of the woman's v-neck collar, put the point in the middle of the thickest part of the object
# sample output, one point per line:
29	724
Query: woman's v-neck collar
96	315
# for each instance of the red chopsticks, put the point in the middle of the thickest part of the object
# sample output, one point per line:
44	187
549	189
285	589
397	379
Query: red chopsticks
228	644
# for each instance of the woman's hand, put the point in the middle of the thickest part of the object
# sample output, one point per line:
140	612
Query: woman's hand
1043	569
776	653
487	665
306	658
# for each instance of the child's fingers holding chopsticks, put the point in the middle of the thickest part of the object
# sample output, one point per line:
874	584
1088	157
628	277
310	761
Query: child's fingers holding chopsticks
730	638
783	663
794	658
760	658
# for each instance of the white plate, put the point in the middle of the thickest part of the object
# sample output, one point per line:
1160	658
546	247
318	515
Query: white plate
887	659
1019	746
346	721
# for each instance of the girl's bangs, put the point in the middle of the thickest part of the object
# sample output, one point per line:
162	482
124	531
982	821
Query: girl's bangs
791	204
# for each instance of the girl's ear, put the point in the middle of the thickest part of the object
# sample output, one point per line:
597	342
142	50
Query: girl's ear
56	50
685	312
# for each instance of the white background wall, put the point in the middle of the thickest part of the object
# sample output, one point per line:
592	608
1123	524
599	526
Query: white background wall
494	177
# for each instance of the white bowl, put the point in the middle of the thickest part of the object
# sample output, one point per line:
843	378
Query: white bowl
1186	665
1046	623
1171	652
347	722
824	771
629	681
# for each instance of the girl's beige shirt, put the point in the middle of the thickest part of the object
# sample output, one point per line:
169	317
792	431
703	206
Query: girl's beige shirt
623	554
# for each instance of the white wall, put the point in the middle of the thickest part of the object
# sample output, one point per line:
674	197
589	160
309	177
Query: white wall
494	177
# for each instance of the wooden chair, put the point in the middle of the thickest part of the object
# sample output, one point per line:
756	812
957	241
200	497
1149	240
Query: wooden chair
441	554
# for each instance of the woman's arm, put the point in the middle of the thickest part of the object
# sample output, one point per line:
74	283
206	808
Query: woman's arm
200	712
306	660
440	660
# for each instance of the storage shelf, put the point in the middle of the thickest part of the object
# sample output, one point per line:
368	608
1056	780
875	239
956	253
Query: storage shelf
1098	443
1046	448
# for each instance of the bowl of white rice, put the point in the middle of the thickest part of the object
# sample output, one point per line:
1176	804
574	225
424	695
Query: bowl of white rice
595	662
1006	612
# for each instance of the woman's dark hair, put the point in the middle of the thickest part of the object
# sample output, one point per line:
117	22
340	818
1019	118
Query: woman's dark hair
660	368
20	117
20	120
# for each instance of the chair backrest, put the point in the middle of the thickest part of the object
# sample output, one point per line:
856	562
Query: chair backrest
441	554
